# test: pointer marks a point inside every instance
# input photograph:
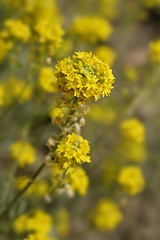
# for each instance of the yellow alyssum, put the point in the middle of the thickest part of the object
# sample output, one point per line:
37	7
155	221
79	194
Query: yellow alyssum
48	32
47	79
106	54
3	51
78	180
154	53
132	180
91	29
107	215
133	129
23	152
73	150
38	188
17	29
84	76
40	223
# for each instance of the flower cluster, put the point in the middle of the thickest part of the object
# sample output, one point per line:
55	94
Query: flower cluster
131	179
92	29
106	54
73	150
84	76
47	80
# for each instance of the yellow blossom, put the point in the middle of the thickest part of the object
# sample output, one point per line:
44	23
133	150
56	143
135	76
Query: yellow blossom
73	150
106	215
23	152
133	129
92	29
47	80
17	29
154	53
132	180
84	76
106	54
78	180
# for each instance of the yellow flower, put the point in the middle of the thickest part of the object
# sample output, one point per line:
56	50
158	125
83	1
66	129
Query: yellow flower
154	53
92	29
39	188
39	223
106	54
73	150
131	179
47	80
78	180
133	129
23	152
3	51
84	76
107	215
48	32
17	29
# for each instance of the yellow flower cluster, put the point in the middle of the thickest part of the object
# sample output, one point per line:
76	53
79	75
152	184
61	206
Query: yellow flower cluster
132	180
106	54
17	89
78	180
38	236
155	51
107	215
84	76
39	188
73	150
48	32
132	129
40	223
47	80
17	29
23	152
91	29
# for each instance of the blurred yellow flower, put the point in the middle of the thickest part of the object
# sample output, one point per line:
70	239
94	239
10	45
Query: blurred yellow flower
84	76
107	215
73	150
154	53
17	29
47	79
132	180
23	152
91	29
106	54
133	129
78	180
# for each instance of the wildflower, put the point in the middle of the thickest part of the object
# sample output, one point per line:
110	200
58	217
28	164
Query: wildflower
107	215
47	79
155	51
106	54
17	29
73	150
92	29
78	180
23	152
131	179
49	33
133	129
3	51
84	76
